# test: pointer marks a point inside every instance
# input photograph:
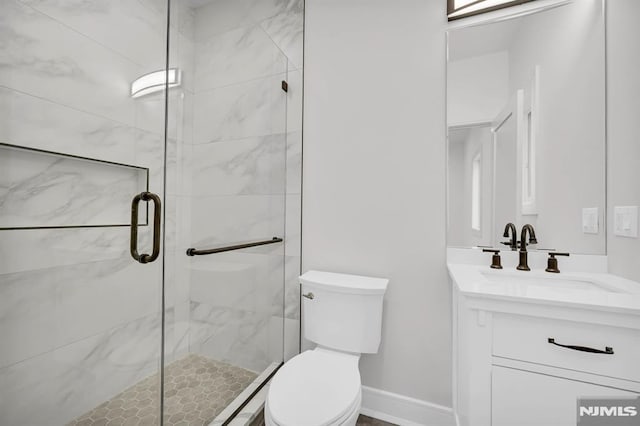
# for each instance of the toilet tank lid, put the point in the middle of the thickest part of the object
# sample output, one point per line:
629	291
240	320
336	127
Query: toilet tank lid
345	283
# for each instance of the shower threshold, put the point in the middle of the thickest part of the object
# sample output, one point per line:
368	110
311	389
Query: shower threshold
197	389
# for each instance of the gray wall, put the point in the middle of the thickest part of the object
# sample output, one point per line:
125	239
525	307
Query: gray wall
623	130
374	175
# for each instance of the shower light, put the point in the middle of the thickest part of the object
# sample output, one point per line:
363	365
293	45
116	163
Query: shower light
155	81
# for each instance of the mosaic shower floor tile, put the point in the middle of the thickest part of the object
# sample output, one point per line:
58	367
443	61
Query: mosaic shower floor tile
197	389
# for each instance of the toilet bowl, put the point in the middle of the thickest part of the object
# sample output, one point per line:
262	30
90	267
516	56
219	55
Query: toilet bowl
316	388
321	387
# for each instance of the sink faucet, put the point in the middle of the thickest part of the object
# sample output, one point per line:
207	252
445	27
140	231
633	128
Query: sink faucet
522	266
513	242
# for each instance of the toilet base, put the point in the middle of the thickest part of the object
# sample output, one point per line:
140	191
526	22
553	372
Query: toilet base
349	419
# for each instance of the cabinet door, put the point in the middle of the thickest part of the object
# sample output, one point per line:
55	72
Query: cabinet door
523	398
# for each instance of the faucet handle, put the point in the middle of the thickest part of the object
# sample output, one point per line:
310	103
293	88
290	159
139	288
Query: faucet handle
552	262
495	259
510	244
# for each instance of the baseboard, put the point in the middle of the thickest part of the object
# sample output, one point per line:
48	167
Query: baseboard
403	410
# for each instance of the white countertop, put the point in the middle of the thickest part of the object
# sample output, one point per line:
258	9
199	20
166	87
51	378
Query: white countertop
569	288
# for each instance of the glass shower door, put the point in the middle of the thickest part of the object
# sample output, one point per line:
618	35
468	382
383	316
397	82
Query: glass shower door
80	320
225	283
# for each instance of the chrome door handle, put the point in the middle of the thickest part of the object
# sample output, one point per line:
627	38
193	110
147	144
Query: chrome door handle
145	196
308	295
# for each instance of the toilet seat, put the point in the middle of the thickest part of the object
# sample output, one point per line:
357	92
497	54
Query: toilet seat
319	387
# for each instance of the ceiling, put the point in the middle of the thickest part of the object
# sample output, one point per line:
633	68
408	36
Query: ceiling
481	39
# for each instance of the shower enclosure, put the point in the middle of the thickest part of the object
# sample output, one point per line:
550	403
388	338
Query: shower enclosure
150	158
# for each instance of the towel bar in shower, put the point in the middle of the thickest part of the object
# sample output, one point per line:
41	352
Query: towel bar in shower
193	252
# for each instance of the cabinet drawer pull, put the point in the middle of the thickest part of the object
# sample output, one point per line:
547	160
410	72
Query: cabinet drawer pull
607	349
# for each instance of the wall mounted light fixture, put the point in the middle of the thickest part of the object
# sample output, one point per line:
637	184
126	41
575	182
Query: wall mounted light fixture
155	81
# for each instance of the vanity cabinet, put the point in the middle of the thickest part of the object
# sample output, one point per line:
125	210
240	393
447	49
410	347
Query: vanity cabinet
526	398
507	373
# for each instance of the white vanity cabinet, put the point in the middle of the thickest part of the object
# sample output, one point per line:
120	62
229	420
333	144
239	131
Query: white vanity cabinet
527	398
507	373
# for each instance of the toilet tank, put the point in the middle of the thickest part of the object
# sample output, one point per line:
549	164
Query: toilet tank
343	312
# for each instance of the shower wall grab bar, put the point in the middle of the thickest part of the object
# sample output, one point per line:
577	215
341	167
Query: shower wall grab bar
145	196
193	252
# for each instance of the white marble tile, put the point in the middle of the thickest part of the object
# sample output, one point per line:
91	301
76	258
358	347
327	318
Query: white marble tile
177	231
177	277
294	162
37	123
224	15
293	224
237	308
240	280
176	332
238	55
294	101
131	28
38	190
45	58
183	56
286	31
94	293
227	220
182	15
248	109
106	364
60	385
149	113
235	336
184	18
292	287
48	308
48	248
291	338
225	283
27	308
245	166
28	393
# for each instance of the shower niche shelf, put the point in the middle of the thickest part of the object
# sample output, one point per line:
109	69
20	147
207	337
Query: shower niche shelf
46	189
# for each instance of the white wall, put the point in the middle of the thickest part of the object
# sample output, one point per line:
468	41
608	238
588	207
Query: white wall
477	88
477	140
567	43
374	175
623	87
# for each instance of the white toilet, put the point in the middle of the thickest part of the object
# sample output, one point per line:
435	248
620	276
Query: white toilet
321	387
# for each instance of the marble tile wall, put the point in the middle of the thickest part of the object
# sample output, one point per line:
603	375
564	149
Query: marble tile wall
41	189
79	320
246	179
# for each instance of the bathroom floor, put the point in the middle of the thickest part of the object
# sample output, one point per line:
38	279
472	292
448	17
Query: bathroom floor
362	421
369	421
197	389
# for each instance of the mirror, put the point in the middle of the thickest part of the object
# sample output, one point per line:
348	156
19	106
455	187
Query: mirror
526	128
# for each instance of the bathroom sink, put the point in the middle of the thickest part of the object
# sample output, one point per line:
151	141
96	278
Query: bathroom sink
548	281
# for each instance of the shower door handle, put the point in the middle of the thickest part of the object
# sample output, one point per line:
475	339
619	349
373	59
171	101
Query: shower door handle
145	196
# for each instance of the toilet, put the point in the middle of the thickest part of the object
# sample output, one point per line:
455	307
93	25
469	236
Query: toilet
321	386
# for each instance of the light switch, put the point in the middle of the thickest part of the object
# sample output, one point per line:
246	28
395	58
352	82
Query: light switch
590	220
625	221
